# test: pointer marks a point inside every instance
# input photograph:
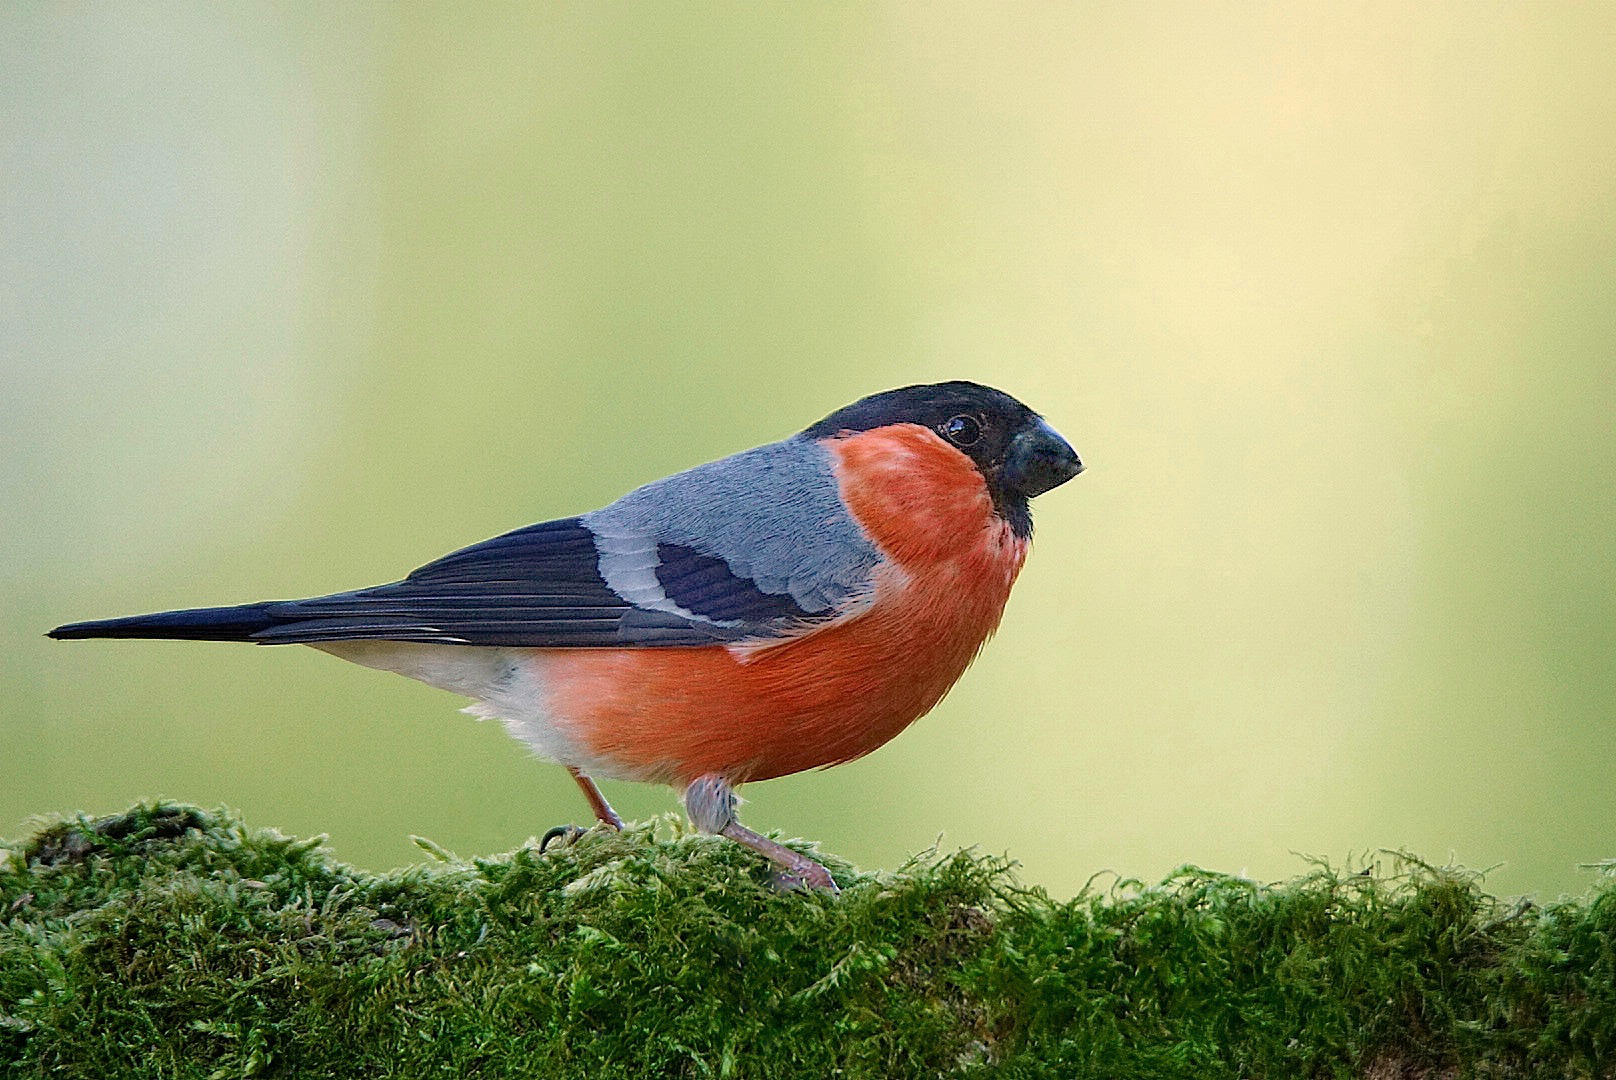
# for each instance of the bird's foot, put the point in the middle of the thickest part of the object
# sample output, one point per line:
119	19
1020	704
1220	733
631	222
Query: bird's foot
817	879
571	834
710	801
797	873
566	834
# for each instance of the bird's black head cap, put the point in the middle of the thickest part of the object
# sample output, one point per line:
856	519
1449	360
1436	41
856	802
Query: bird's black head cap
1017	453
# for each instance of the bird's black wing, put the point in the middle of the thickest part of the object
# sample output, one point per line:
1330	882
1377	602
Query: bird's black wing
539	586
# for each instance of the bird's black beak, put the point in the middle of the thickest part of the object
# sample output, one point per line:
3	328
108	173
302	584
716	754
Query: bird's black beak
1039	459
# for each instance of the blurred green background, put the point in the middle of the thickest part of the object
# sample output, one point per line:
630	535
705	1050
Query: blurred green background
295	298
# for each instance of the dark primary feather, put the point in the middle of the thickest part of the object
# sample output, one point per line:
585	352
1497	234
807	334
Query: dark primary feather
538	586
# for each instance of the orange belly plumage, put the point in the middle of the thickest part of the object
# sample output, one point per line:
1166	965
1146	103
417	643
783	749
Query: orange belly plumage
827	696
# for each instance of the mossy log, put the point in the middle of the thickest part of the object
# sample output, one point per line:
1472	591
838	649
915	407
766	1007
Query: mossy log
170	941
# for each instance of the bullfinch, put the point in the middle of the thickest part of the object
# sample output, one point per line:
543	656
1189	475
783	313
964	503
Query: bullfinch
789	607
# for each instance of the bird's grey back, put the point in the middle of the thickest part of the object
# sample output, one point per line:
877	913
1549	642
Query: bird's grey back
773	514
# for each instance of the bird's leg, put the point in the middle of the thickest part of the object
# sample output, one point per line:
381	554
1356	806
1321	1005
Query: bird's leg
795	869
597	802
710	802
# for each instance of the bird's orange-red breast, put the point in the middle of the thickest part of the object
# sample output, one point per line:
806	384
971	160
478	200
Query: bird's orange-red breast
834	694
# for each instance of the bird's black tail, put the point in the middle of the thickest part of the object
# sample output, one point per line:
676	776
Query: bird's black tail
238	623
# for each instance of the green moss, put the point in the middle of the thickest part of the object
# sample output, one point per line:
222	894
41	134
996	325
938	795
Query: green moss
173	942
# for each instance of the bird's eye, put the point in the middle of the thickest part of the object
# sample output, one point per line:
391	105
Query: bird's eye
962	430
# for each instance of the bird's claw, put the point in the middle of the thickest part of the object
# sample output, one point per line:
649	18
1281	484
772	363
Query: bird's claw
816	879
569	834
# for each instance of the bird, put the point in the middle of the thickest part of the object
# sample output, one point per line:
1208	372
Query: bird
789	607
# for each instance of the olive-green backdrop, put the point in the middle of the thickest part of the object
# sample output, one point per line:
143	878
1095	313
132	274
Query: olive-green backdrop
294	298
